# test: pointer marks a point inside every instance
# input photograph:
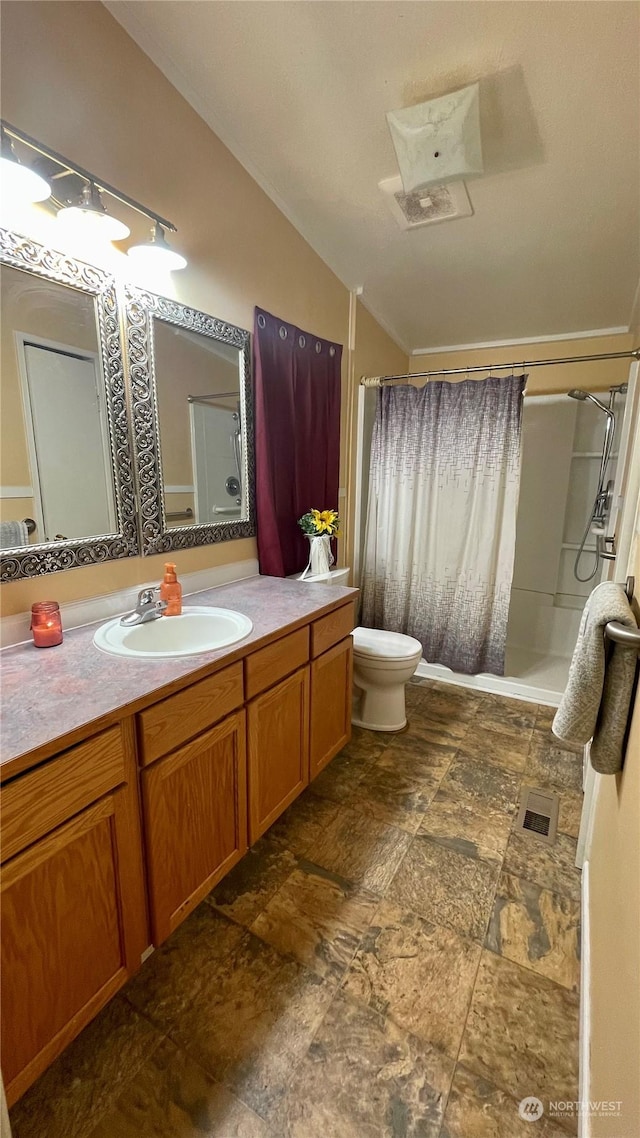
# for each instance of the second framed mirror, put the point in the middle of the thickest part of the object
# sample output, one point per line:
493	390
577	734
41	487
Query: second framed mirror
190	377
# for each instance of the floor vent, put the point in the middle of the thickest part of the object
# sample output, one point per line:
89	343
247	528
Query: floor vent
538	814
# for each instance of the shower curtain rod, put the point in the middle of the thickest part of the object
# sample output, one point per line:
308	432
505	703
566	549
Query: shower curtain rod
216	395
378	380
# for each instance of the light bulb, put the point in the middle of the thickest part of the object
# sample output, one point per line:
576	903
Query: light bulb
19	184
157	254
90	217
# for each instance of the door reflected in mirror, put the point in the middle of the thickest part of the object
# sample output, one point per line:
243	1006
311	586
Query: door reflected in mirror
198	391
56	473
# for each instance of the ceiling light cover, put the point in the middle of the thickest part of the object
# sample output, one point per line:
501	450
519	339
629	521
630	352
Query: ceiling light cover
438	141
19	184
157	253
89	214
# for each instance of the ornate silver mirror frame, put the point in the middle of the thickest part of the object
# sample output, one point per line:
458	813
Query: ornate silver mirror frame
141	308
29	561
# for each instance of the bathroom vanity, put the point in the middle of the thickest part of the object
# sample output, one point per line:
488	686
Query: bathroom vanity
131	787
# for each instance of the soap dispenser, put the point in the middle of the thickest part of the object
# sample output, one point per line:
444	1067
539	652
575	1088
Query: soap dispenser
171	591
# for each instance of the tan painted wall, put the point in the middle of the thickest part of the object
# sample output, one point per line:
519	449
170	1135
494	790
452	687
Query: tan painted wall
73	78
544	380
615	933
375	354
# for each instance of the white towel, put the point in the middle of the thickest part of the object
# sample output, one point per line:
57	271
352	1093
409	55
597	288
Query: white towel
13	535
597	698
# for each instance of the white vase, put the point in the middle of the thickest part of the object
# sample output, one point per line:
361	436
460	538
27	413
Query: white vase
320	556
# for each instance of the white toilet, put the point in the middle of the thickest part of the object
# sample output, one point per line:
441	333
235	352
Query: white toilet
383	662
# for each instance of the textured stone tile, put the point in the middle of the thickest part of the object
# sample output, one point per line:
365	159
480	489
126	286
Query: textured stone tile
522	1032
390	797
549	764
452	703
496	748
544	717
74	1093
510	716
244	892
423	762
485	784
364	1078
552	867
339	779
173	1097
233	1004
446	887
302	823
477	1109
537	929
317	917
479	832
365	745
570	812
360	849
416	973
437	724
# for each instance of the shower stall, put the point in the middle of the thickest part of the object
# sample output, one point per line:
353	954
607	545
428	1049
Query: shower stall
568	488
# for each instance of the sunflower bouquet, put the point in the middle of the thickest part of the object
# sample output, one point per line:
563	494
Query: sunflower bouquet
320	523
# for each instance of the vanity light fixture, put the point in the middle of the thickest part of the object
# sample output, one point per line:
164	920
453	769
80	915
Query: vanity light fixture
156	253
90	213
19	182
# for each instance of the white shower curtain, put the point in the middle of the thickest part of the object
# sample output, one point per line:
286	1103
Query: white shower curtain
441	519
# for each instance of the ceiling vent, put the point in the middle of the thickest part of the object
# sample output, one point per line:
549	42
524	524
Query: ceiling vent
426	206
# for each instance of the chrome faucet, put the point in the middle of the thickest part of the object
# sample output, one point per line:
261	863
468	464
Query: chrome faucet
147	608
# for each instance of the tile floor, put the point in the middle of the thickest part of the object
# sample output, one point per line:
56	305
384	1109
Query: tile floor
391	959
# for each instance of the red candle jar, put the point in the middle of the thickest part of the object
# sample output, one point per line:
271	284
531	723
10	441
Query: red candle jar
46	624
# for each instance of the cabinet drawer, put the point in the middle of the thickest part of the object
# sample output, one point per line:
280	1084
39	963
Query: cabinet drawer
37	802
180	717
329	630
265	667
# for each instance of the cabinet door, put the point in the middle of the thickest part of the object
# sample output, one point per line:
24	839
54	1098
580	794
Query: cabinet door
73	930
195	814
278	750
331	683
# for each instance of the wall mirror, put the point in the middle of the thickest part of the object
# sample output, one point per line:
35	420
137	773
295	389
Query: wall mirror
66	487
190	378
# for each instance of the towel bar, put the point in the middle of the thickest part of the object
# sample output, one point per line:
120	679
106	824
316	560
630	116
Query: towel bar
630	637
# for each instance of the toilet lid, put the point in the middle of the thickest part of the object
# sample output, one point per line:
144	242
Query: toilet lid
392	645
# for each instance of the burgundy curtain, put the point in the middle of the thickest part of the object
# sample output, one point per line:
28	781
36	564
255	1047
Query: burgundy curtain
297	433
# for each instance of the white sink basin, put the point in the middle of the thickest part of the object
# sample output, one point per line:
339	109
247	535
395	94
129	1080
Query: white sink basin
198	629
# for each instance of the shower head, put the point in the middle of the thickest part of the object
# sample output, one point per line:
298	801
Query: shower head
576	393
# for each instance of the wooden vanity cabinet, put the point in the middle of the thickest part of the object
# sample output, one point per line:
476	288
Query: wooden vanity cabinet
195	812
278	759
177	793
331	682
73	903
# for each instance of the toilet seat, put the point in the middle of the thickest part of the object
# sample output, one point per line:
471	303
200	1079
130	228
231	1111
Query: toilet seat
378	644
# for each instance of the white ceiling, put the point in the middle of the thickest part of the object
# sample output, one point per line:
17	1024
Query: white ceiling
298	91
